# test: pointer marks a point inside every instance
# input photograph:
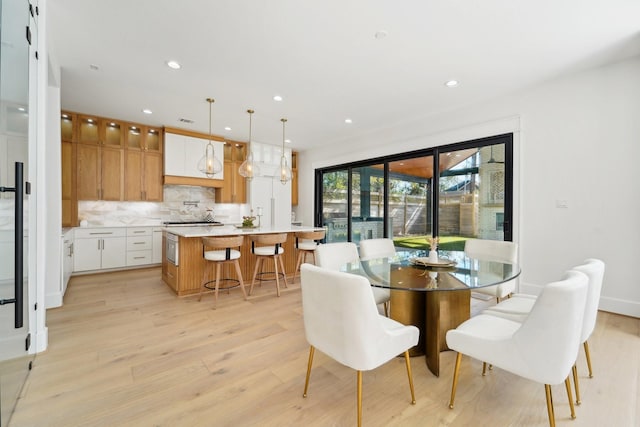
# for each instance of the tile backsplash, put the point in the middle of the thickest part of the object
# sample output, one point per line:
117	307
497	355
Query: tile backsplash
173	208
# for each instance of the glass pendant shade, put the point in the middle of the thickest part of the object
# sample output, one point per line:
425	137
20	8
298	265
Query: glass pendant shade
285	170
209	164
249	168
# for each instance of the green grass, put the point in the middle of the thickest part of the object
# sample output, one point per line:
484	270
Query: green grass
449	243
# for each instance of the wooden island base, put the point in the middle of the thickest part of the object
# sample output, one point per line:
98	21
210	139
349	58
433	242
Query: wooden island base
186	278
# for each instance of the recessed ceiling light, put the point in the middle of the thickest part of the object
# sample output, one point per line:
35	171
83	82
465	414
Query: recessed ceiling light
227	128
277	98
22	109
147	111
451	83
174	65
94	67
348	121
380	34
90	120
288	141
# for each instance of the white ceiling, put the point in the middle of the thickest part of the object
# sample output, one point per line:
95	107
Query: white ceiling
322	58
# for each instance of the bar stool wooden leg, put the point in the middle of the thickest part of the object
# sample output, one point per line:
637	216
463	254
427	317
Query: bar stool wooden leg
204	280
275	264
215	299
255	273
284	273
299	261
239	273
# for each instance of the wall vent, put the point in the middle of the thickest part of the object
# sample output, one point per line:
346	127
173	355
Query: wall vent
183	120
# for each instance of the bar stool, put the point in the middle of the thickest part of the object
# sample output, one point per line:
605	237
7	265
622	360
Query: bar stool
222	253
306	243
265	246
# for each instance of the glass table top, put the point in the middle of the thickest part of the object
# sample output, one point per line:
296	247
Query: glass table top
407	271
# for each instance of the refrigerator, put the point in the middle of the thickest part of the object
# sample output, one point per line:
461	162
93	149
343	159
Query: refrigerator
271	200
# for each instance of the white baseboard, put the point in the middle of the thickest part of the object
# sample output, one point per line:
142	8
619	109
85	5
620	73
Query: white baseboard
53	300
612	305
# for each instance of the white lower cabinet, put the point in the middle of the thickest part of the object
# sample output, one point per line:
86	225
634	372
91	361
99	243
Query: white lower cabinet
99	248
139	245
156	256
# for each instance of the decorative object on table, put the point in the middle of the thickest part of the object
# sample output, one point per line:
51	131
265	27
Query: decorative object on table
427	262
285	170
433	248
247	221
249	168
209	164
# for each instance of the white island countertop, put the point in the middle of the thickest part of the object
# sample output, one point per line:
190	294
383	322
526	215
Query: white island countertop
231	230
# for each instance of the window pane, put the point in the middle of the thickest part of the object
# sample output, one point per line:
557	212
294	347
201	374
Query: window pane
471	195
367	199
334	205
410	216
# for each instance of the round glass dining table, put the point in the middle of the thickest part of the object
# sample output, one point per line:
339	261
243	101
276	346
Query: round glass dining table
433	295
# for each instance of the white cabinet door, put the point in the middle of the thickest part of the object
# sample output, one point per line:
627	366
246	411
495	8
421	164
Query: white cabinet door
156	257
114	252
88	254
183	153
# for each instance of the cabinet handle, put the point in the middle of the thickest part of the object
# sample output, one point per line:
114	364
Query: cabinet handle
93	233
99	240
138	243
71	249
139	257
139	231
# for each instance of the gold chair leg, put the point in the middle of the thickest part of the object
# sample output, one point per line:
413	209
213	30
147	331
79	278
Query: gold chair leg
408	363
456	371
586	353
567	384
306	382
552	417
575	382
484	368
236	264
359	398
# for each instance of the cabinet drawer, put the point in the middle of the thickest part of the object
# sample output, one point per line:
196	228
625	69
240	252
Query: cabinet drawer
142	243
139	231
138	257
91	233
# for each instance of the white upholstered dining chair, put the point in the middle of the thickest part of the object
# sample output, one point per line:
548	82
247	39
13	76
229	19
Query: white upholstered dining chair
335	255
543	348
494	250
519	306
378	248
341	320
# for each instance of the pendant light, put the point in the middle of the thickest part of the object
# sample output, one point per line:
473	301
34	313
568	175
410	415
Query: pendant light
249	168
285	170
209	164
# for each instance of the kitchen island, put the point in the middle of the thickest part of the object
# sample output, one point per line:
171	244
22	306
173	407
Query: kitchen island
184	274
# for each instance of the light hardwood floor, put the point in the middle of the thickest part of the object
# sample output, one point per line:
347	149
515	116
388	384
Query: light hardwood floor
125	351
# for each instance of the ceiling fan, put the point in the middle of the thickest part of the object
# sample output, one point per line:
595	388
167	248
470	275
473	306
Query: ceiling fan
492	160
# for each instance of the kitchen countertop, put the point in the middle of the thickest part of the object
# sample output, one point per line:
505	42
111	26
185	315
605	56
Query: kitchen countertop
230	230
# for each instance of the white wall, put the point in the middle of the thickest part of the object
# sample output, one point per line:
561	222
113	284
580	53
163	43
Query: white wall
576	140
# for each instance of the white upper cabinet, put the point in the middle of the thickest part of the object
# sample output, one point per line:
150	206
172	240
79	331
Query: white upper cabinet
268	156
182	154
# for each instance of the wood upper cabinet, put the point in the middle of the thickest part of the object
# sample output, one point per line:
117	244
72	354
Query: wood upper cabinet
143	163
100	131
234	189
144	138
100	173
144	176
68	124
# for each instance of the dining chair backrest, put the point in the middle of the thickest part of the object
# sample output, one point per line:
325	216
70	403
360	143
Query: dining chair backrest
341	319
335	255
549	339
492	250
594	269
376	248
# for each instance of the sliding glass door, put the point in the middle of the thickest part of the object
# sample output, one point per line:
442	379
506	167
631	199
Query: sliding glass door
456	192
